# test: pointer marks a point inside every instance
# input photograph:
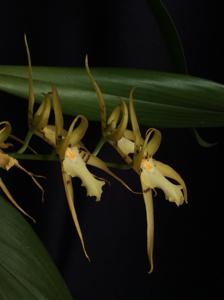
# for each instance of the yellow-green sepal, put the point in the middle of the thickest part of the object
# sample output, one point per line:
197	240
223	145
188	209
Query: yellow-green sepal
70	199
74	134
31	97
100	97
58	115
41	116
117	123
148	200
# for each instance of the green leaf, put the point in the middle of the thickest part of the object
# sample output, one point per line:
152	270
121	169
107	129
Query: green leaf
170	34
161	99
26	270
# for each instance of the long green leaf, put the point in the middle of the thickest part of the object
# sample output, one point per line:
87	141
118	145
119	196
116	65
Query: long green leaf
161	99
26	270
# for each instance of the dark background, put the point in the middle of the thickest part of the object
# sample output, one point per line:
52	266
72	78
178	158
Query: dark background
188	250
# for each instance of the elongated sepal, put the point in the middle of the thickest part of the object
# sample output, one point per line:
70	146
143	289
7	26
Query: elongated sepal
70	199
147	195
5	130
59	120
31	97
134	122
41	116
100	97
117	122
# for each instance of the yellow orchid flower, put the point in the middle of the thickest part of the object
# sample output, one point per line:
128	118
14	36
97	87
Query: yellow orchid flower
74	158
153	174
7	162
67	145
138	153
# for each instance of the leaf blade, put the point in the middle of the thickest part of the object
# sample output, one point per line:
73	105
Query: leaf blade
162	99
26	270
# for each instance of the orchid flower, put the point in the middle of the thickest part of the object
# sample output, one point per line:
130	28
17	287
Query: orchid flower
7	162
138	153
153	174
75	158
73	155
67	146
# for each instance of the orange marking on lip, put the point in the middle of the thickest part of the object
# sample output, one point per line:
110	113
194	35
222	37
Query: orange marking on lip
147	165
70	154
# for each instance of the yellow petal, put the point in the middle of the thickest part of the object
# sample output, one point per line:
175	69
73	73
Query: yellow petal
74	134
74	166
119	114
70	199
147	194
126	146
153	178
49	135
152	141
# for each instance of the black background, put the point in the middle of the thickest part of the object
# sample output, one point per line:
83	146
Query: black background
188	250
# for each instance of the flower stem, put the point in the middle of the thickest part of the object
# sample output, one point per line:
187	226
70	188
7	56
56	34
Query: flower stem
119	166
26	142
48	157
100	144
